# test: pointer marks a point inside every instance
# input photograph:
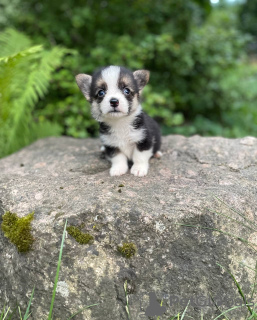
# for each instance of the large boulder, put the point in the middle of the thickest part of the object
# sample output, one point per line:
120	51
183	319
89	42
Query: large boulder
65	178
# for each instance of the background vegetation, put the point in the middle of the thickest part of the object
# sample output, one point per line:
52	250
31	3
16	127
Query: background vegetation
201	58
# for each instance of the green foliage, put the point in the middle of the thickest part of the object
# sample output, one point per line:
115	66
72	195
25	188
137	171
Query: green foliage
80	24
102	33
79	236
238	113
240	85
65	105
18	230
196	57
128	249
25	73
219	87
248	14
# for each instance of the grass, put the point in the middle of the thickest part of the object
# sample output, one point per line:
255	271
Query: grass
8	315
127	302
158	318
252	314
223	314
251	308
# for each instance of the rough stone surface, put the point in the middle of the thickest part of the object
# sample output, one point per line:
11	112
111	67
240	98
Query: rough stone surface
65	178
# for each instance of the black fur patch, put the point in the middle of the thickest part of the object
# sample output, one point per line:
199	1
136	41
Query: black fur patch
111	151
97	84
152	133
104	128
146	144
138	122
127	80
129	108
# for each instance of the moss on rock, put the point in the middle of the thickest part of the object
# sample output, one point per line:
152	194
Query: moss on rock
79	236
128	249
18	230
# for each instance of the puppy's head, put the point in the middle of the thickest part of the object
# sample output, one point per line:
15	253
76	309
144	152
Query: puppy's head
113	91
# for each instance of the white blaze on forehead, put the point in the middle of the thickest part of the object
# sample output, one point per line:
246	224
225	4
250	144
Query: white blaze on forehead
111	76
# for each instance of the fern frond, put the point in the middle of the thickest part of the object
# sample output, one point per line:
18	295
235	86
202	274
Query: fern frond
23	53
13	42
24	79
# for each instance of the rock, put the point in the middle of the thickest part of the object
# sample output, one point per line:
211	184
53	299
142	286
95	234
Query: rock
65	178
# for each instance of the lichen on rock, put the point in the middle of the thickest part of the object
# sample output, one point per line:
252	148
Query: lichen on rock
79	236
18	230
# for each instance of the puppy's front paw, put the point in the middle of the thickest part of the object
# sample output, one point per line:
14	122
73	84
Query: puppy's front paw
139	170
118	170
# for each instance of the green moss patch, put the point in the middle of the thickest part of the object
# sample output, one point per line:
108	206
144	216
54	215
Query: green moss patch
18	230
79	236
128	249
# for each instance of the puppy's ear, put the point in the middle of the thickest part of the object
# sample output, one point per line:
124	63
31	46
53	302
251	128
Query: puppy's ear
142	77
84	83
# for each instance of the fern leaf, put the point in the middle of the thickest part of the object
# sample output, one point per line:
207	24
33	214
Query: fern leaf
25	75
13	42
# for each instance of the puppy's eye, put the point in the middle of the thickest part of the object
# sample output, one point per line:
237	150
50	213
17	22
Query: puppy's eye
126	91
101	93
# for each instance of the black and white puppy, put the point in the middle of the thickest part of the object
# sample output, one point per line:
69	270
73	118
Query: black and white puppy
127	133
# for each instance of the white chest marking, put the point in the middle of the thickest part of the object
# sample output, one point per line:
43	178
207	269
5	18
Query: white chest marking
123	136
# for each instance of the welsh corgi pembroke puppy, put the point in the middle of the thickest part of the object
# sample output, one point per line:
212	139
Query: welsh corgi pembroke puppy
126	132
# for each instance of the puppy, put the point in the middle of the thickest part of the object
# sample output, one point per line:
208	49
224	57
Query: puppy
126	132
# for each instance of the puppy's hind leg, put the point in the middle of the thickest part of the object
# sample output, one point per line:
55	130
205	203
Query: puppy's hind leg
102	149
158	154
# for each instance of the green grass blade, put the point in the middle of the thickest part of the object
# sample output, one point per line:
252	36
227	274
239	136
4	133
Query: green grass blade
11	315
233	219
222	314
26	316
254	315
158	318
96	304
239	288
57	273
234	210
255	281
2	313
20	312
126	296
218	307
245	265
184	312
6	314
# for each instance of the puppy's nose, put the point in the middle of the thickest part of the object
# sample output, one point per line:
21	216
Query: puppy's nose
114	102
